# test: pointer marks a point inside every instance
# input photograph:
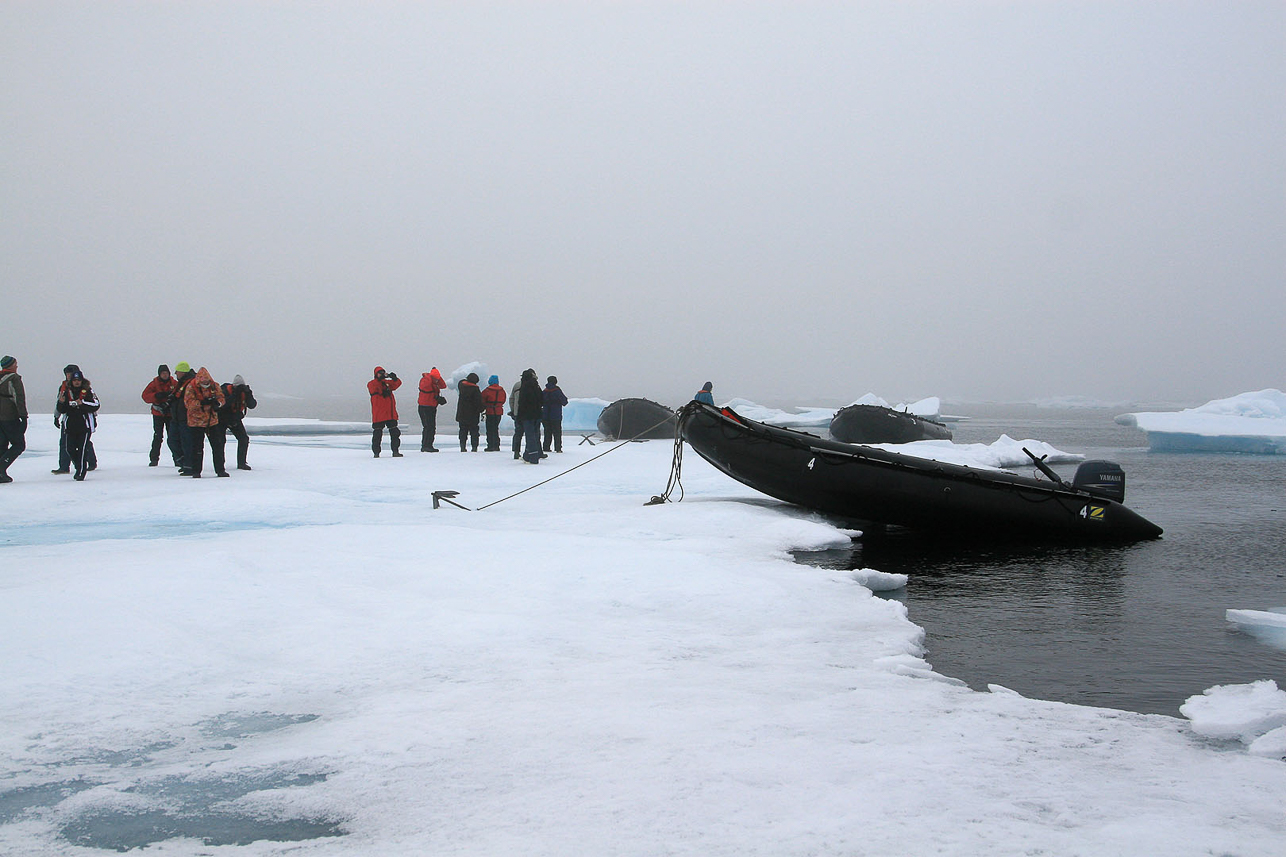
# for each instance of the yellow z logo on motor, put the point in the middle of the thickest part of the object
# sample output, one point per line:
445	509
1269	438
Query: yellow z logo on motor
1094	513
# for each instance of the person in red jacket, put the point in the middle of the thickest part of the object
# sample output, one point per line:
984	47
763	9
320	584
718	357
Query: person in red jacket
431	387
159	393
493	405
384	411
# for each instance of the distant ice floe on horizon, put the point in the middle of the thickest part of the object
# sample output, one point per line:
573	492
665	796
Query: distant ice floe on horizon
1247	423
810	417
1254	714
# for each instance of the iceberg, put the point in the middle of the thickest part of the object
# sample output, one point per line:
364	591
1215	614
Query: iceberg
1253	423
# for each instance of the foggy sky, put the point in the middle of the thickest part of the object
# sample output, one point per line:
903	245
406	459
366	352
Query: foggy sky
801	202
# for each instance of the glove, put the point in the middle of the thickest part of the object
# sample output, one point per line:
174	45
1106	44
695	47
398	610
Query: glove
392	376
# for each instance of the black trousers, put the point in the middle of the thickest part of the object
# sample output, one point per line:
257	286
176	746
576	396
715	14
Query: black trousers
470	433
429	424
161	430
377	436
79	450
238	431
64	452
13	440
553	434
217	440
493	432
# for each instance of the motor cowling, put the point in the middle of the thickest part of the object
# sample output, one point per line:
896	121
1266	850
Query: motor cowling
1102	479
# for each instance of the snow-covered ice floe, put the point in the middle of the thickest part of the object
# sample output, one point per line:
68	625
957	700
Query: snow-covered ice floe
1002	453
800	418
1254	714
880	581
1247	423
309	658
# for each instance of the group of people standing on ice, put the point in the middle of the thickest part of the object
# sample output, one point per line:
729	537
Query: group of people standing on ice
529	405
189	408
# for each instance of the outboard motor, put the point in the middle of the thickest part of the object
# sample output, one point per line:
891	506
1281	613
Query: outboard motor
1102	479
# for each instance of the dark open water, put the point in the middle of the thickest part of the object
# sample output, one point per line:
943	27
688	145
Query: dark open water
1139	627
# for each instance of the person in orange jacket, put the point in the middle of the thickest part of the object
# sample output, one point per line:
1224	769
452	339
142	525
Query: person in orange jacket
384	411
431	387
203	399
493	405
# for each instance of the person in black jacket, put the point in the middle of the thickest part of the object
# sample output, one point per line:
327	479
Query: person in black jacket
64	457
179	419
79	407
237	398
531	401
468	410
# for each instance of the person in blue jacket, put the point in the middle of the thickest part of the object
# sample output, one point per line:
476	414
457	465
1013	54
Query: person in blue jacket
552	414
704	395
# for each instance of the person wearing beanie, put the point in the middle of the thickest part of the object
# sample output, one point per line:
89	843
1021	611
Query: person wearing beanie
528	411
493	405
431	387
182	447
552	414
237	399
13	416
468	408
159	393
384	411
79	407
60	420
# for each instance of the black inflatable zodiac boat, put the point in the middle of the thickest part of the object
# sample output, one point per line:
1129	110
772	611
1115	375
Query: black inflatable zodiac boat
874	485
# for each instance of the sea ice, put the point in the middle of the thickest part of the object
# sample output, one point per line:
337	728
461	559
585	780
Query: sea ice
1241	711
311	650
1252	423
879	581
1267	626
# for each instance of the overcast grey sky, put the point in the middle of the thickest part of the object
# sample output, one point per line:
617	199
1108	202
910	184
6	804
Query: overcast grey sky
801	202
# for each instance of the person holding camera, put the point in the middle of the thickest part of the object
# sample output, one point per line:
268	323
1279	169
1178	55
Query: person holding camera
384	411
60	422
159	393
79	408
237	399
431	386
203	399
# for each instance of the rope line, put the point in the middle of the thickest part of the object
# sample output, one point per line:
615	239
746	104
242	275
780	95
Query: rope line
570	469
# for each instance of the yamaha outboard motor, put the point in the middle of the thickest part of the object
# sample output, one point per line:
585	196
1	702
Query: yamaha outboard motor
1102	479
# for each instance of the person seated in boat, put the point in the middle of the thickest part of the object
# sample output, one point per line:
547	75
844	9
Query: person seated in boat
704	395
